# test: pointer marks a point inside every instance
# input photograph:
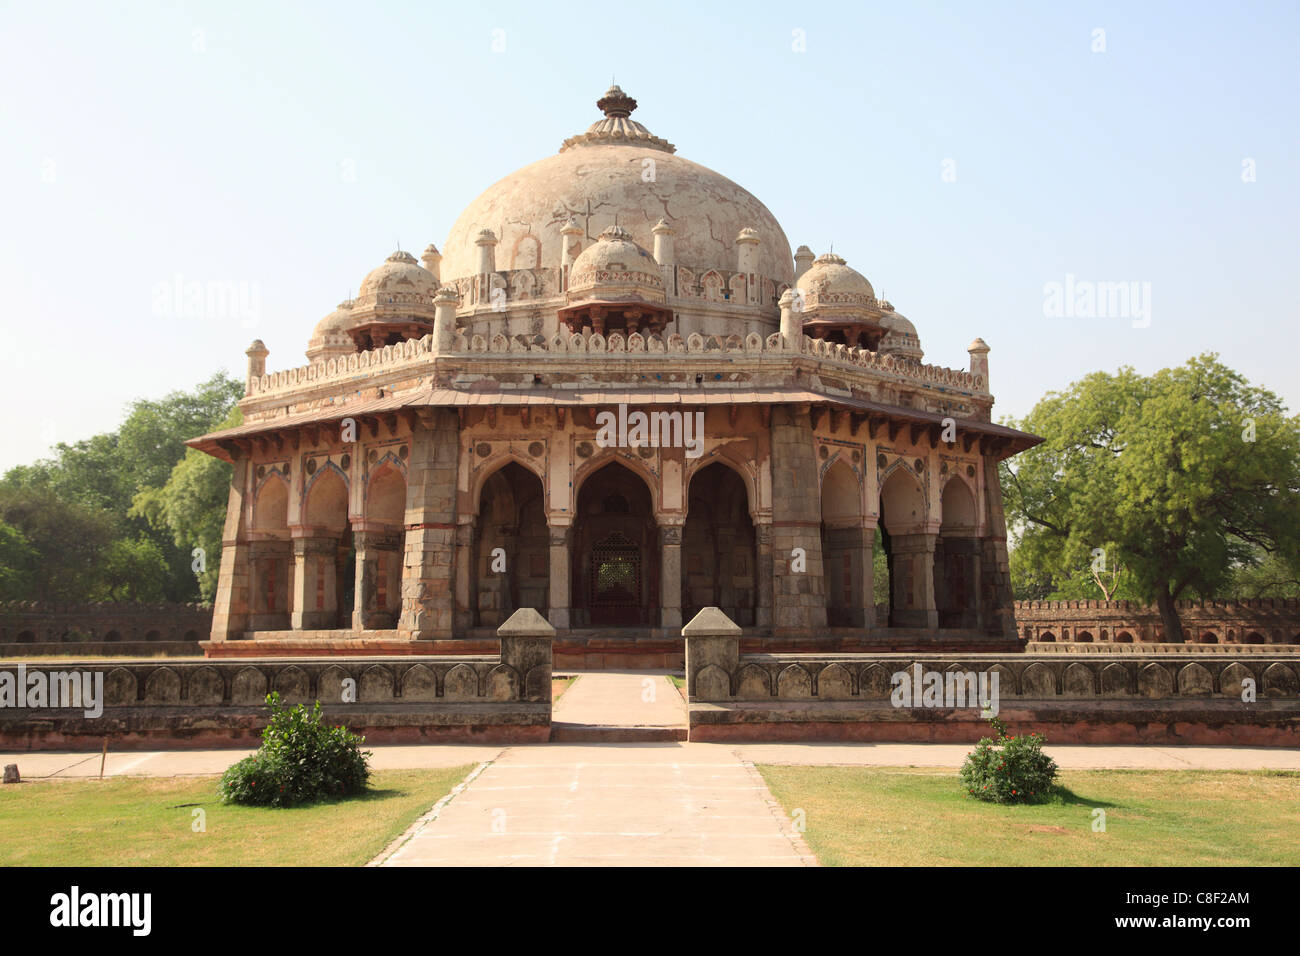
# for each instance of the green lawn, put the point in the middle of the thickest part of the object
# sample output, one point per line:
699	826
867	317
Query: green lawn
147	821
870	816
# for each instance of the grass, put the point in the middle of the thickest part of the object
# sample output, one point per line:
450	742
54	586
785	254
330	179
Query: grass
869	816
560	684
147	821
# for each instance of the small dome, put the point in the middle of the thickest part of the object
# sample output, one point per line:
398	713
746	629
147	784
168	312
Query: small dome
615	268
901	338
829	281
331	336
400	274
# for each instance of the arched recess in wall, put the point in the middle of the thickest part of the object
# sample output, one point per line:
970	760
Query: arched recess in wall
907	559
848	549
270	556
329	559
378	540
510	556
719	546
957	558
615	551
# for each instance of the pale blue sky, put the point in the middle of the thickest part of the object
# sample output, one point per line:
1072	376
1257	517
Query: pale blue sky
143	142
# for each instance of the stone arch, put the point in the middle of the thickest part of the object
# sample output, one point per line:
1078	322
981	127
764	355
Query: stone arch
834	682
493	465
1254	637
527	253
419	682
753	682
847	548
1279	681
1047	637
1208	637
615	548
794	681
510	549
712	683
605	458
1194	680
325	500
1123	637
460	683
1083	637
742	470
957	558
719	548
1037	680
1077	681
386	494
907	554
874	682
271	508
1155	681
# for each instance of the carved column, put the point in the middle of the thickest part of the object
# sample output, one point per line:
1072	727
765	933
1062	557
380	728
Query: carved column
466	593
670	576
375	599
763	573
561	592
798	585
912	576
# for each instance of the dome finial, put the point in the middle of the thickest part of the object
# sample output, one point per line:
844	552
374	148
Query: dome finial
615	102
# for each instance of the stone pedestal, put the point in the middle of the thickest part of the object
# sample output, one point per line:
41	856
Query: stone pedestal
526	646
712	655
376	601
851	579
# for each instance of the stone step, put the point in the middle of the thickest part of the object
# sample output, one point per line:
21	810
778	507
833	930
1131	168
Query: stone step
562	732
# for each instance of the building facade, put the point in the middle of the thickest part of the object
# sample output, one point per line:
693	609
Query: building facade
615	396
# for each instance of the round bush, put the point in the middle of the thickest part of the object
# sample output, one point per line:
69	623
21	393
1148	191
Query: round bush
300	760
1009	769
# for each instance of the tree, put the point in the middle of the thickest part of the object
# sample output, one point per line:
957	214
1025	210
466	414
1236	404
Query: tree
17	564
1178	477
65	538
191	506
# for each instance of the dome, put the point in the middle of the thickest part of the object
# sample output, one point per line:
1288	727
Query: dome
829	281
614	268
331	336
615	174
400	274
901	338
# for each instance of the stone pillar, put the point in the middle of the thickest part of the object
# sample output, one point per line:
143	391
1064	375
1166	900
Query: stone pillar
979	361
444	319
670	576
798	585
747	243
570	248
526	646
912	579
712	655
269	595
803	260
432	260
315	584
791	321
561	588
726	571
257	353
378	574
665	256
997	604
763	573
428	563
230	607
851	547
466	592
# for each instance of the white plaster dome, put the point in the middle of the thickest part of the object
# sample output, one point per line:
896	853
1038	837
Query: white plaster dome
901	338
829	281
616	173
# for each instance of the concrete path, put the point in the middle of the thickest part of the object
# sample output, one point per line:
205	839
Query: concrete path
620	706
607	805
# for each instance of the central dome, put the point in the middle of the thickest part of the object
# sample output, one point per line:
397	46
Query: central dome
603	178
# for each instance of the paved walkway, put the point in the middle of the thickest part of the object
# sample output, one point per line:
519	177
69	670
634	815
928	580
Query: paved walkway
609	805
622	699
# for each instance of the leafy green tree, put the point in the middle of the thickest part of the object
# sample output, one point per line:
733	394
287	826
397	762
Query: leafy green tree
1178	477
131	569
191	506
18	561
65	538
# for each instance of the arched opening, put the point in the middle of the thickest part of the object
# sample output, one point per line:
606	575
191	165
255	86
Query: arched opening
1123	637
1047	637
377	544
615	551
1254	637
271	557
906	550
511	547
26	637
847	550
1209	637
153	636
956	558
324	556
719	556
111	636
1083	637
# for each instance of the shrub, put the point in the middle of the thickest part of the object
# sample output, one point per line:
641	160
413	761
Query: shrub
1008	769
300	760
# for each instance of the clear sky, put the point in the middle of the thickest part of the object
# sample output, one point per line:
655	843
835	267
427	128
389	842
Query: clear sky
961	156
